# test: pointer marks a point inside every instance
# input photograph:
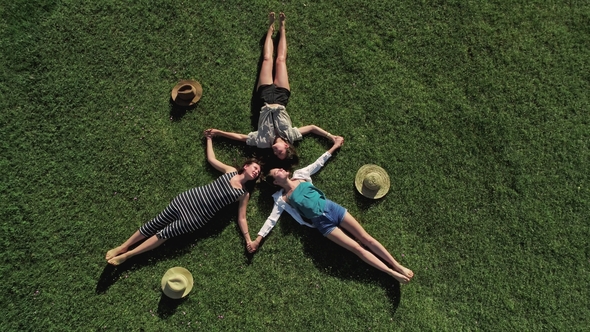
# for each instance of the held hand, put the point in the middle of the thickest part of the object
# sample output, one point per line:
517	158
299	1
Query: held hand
338	141
210	133
253	246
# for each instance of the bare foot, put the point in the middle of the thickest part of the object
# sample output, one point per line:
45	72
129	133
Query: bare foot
400	277
282	19
271	20
407	272
117	260
114	252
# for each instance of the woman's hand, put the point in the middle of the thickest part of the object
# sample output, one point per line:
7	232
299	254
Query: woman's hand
338	141
253	246
210	133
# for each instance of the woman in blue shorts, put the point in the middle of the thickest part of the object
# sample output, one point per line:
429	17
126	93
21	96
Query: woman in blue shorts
300	198
275	129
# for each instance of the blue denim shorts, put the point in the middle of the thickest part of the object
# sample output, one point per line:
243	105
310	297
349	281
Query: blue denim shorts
330	219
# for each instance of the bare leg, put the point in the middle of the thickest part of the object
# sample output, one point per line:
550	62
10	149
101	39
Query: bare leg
147	245
281	77
343	240
265	76
136	237
353	226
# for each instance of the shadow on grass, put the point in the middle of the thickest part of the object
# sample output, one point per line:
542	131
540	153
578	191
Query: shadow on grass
167	306
255	103
177	111
248	151
363	202
339	262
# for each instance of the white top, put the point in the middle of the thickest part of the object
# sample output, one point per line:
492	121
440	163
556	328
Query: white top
280	205
273	121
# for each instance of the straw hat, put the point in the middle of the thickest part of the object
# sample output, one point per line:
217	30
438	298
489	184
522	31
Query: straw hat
187	92
372	181
177	282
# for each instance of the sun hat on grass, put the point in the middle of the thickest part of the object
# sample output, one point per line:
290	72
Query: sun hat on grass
372	181
177	282
187	92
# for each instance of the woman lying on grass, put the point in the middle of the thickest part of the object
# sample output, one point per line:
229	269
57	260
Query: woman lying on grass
193	208
275	129
300	198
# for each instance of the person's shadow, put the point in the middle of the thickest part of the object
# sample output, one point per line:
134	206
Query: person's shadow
166	306
339	262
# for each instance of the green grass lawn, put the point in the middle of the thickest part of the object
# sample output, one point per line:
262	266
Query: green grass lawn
478	111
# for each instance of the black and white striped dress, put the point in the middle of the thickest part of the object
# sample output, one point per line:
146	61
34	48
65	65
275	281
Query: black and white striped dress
193	208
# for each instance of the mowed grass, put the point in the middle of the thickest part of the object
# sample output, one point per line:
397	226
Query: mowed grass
477	110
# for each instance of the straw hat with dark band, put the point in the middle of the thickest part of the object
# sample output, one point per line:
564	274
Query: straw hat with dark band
372	181
177	283
187	92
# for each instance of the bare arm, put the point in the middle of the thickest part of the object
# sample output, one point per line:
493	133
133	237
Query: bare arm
338	142
242	221
235	136
316	130
218	165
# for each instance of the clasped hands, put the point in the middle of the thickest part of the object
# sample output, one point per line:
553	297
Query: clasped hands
252	246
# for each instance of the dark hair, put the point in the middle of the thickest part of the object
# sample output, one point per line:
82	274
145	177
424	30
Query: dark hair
250	184
249	161
269	179
290	153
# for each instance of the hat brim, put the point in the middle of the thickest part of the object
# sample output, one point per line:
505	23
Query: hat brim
198	93
362	173
174	272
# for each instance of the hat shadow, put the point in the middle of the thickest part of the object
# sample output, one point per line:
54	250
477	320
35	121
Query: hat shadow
177	112
364	202
168	306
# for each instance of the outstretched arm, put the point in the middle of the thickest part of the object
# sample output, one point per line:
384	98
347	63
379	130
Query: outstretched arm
235	136
316	130
270	222
242	221
306	172
278	208
211	157
338	142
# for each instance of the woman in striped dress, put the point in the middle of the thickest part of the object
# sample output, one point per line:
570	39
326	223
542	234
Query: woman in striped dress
192	209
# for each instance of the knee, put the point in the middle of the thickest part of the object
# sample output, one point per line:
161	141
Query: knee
267	57
358	249
368	240
281	60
